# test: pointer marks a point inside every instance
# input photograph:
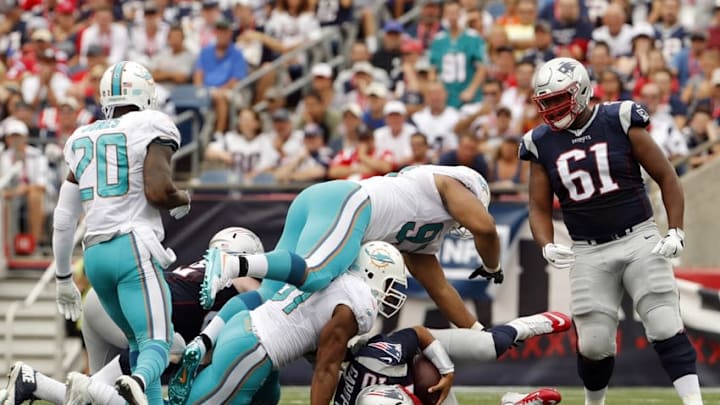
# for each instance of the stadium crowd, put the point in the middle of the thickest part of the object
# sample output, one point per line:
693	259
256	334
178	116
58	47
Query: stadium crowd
452	87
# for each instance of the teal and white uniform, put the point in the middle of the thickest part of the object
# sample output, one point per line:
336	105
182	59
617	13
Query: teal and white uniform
456	60
254	344
124	257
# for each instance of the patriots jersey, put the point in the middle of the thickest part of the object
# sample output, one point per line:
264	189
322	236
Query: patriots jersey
384	359
593	172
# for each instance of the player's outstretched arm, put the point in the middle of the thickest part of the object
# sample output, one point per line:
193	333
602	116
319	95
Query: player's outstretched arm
160	190
65	218
331	352
427	271
469	212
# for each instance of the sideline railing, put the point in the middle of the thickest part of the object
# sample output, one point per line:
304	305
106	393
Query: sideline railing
4	182
32	297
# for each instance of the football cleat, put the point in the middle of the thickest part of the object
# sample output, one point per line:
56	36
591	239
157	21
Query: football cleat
21	384
217	275
543	396
181	382
76	392
540	324
130	388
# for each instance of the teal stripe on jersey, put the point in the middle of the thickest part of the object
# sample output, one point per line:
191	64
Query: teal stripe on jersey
115	83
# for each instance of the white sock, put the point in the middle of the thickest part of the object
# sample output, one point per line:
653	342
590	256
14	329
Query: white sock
688	388
49	389
104	393
510	398
109	373
595	397
212	330
257	265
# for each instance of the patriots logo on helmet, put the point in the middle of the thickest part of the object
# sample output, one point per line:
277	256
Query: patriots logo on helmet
386	393
566	68
393	351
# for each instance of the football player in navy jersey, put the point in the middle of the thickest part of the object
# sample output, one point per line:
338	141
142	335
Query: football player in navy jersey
591	159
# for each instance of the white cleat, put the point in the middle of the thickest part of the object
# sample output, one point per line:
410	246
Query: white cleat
540	324
130	389
77	392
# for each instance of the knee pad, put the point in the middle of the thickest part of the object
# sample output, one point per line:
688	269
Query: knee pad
677	356
596	336
660	314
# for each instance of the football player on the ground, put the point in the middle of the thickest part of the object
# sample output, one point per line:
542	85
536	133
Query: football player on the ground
591	159
254	343
107	345
388	359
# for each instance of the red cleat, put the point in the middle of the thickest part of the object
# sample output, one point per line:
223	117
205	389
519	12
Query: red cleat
543	396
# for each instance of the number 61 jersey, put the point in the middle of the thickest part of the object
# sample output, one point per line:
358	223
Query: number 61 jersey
593	172
107	159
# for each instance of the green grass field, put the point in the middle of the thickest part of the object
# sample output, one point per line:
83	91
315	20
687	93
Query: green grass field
571	396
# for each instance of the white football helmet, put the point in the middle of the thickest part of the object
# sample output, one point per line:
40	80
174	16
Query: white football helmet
236	239
561	91
382	267
127	83
383	395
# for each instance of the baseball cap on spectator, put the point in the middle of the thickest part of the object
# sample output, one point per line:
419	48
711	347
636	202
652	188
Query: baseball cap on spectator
15	127
353	108
243	3
716	6
313	129
322	70
210	3
363	67
95	50
42	35
423	65
65	7
698	34
543	25
716	77
150	7
394	107
69	102
412	46
376	89
222	23
643	29
281	115
393	26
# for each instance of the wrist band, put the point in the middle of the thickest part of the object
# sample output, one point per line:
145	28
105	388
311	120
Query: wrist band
439	358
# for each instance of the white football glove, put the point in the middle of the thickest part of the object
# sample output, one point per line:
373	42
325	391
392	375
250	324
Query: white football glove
559	256
672	244
181	211
68	299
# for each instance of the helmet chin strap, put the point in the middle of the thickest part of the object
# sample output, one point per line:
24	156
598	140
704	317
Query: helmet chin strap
565	122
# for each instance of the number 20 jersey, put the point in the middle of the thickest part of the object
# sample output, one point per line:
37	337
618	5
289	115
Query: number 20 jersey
593	172
107	159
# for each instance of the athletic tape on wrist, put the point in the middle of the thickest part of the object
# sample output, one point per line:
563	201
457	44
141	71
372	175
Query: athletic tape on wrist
439	358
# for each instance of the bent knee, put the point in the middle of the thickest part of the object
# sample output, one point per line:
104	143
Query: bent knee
596	336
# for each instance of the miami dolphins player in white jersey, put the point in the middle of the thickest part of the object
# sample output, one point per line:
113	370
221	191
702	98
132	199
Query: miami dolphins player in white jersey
327	223
120	176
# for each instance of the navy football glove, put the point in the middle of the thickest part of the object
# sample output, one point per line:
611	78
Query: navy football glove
496	277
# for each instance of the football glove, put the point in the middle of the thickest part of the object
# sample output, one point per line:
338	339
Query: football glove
181	211
496	277
68	298
672	244
559	256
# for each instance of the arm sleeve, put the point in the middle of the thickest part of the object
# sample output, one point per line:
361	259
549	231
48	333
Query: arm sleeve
65	219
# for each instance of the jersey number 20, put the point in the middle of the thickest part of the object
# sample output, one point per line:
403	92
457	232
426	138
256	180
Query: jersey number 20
570	179
110	152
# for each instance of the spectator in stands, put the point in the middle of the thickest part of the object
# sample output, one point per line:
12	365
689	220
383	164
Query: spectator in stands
542	50
518	98
632	66
220	67
428	24
58	123
395	135
503	68
388	56
496	39
571	32
374	116
714	29
475	117
246	153
437	120
291	24
699	130
687	62
47	86
421	153
88	90
274	101
173	65
322	82
30	187
245	20
669	32
662	128
312	161
148	38
333	13
697	87
467	154
64	27
201	30
286	140
314	111
611	87
669	96
359	64
615	31
362	161
599	61
521	28
506	167
349	128
110	36
457	56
